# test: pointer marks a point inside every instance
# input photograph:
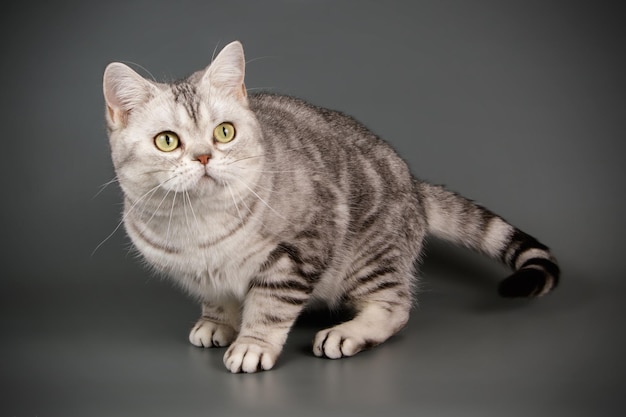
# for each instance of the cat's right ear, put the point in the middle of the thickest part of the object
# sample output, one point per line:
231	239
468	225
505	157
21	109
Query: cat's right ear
124	89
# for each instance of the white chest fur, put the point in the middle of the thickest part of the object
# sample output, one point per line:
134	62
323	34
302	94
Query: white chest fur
211	255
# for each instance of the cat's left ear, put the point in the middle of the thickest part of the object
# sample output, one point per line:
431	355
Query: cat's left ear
227	71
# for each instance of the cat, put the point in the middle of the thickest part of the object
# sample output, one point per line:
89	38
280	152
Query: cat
259	205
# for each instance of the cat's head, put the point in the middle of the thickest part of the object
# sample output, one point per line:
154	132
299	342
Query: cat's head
196	136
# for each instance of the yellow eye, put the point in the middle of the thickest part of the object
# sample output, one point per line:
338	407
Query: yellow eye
224	132
166	141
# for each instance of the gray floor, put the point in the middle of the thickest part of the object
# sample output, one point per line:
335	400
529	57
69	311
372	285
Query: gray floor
517	104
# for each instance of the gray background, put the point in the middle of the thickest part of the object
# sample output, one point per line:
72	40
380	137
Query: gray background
517	104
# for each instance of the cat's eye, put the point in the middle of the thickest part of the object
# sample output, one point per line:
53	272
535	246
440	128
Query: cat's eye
224	132
166	141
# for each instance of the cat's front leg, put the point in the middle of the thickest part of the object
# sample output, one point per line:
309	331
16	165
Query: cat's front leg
269	311
218	325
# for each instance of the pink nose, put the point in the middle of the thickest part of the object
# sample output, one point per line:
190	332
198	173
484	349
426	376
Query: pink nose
204	159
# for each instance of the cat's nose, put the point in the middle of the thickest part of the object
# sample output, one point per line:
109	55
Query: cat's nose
204	159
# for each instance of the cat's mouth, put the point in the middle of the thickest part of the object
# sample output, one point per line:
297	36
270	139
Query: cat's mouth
211	177
208	177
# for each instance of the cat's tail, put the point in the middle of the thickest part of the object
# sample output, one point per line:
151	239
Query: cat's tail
461	221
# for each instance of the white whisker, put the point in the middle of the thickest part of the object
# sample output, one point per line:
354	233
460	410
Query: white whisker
270	230
271	190
190	233
193	214
157	208
267	154
130	210
104	186
142	67
169	223
261	88
259	58
217	45
263	201
235	202
277	172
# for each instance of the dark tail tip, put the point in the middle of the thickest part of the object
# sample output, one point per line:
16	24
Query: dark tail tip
528	282
536	277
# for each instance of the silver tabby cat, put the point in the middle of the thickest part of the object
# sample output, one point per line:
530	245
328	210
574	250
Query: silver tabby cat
260	205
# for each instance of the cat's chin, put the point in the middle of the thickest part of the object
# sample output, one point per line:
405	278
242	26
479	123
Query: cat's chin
206	178
207	186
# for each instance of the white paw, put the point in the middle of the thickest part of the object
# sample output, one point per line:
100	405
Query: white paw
339	341
246	356
209	334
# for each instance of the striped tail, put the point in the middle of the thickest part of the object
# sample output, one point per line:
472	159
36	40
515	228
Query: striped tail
461	221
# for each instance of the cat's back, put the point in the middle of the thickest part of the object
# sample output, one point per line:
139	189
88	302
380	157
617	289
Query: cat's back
323	148
286	118
274	108
294	115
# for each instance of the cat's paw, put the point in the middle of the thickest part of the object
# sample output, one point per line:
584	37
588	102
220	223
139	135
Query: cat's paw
210	334
340	341
248	355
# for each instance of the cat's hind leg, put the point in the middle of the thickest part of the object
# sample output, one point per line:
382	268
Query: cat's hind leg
217	327
379	316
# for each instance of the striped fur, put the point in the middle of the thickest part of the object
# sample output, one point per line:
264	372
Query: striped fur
303	205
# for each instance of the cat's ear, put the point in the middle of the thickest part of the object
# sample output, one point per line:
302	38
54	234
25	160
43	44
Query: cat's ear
124	90
227	71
